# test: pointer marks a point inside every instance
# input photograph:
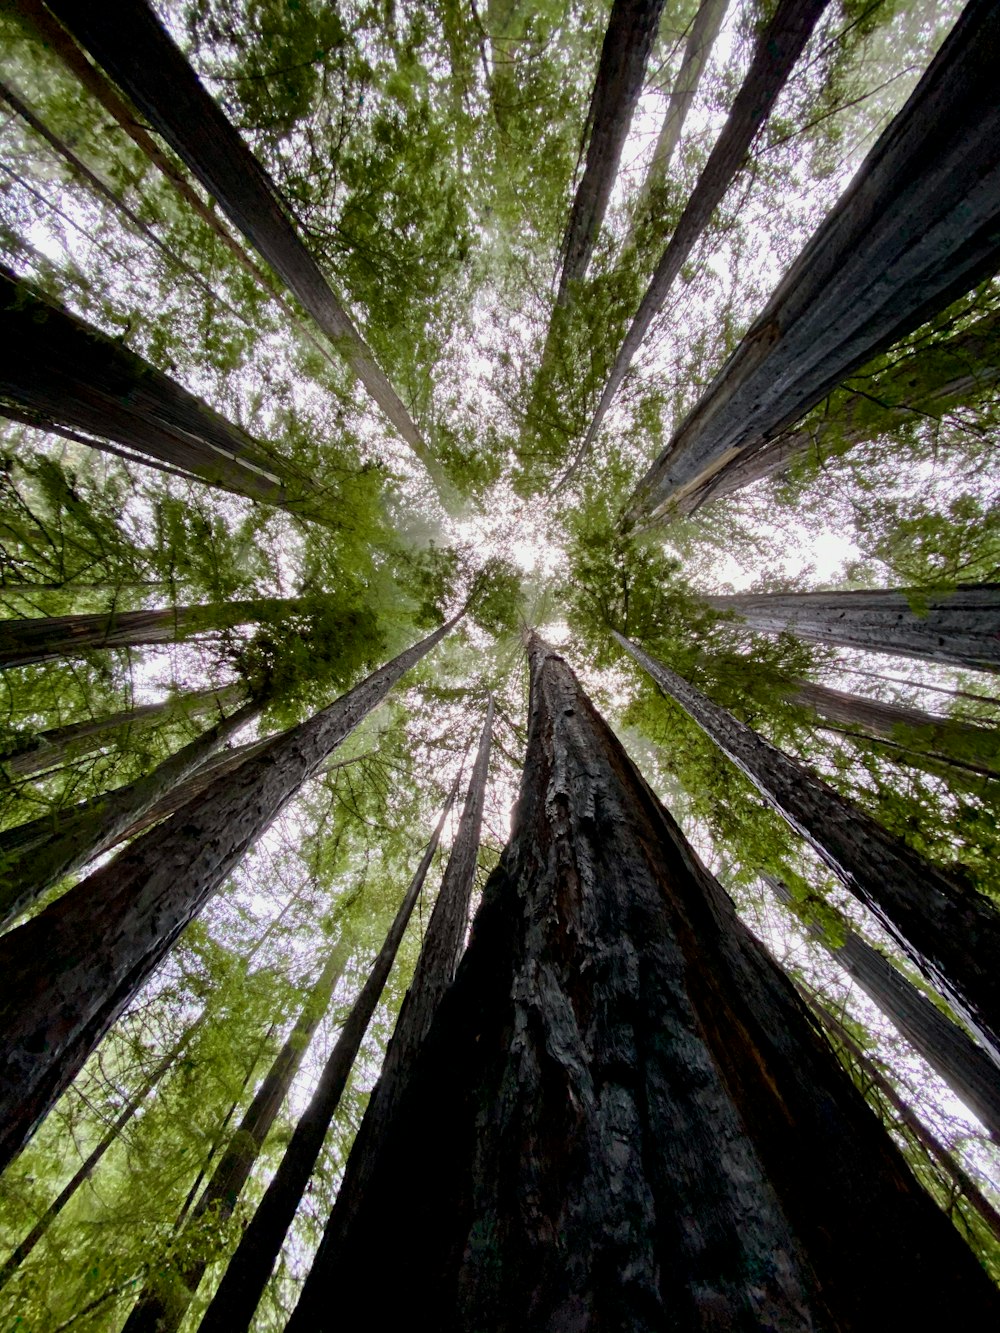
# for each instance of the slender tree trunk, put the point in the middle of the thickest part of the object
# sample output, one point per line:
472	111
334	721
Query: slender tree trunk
133	47
61	745
918	227
67	974
78	841
777	50
57	369
961	744
44	638
233	1305
921	685
947	1048
623	1117
951	935
628	42
956	627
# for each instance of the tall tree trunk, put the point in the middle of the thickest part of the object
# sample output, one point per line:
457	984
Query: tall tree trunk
60	370
927	382
233	1305
161	1311
961	744
67	974
623	1116
918	226
133	47
951	935
44	638
62	745
628	42
956	627
947	1048
777	49
29	874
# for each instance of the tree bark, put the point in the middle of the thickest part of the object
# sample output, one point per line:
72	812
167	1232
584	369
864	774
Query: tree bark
951	935
233	1305
67	974
956	627
60	370
44	638
947	1048
918	226
27	875
777	50
628	42
623	1116
133	47
961	744
62	745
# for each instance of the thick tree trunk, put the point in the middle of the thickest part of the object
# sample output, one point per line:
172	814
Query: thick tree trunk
778	48
58	369
623	1117
44	638
133	47
961	744
26	875
951	935
160	1311
918	227
947	1048
66	975
233	1305
628	42
62	745
957	627
927	382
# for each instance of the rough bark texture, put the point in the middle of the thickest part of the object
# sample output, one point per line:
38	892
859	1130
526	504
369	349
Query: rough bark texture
66	975
44	638
59	369
232	1308
959	743
628	42
623	1116
925	383
777	50
951	935
958	627
26	875
918	227
132	46
947	1048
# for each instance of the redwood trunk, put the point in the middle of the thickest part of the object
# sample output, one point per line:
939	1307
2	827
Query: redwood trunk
623	1116
918	227
959	627
951	935
66	975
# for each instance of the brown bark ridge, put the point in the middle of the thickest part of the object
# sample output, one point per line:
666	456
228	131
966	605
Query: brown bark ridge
61	745
66	975
26	875
962	744
625	53
947	1048
777	49
623	1117
233	1305
43	638
927	382
60	370
918	226
954	626
130	44
951	935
